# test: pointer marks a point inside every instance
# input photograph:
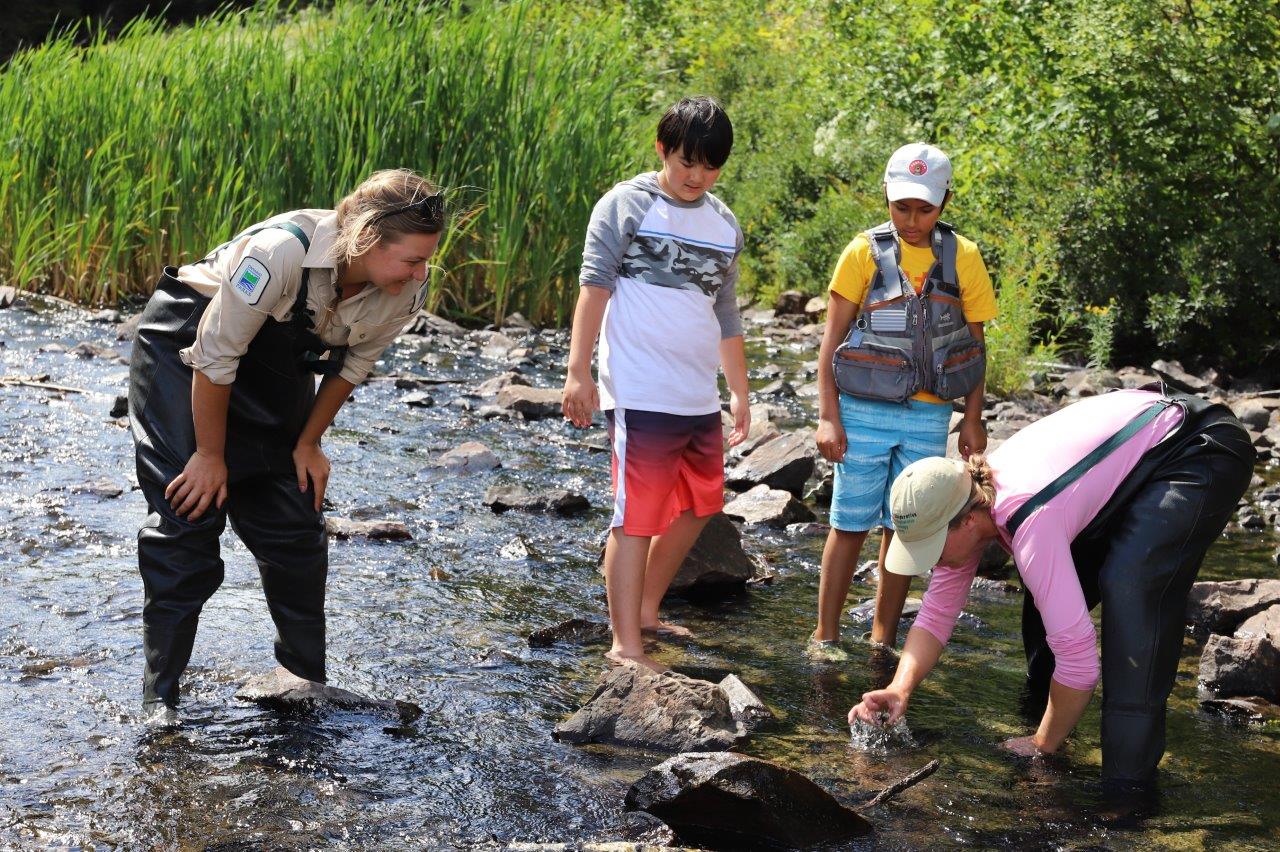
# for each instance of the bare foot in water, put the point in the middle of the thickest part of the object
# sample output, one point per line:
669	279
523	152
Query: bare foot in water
666	628
617	658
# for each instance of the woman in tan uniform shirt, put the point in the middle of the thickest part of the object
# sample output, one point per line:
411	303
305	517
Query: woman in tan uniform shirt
227	420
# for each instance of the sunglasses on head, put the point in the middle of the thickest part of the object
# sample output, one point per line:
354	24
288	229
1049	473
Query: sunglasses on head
429	210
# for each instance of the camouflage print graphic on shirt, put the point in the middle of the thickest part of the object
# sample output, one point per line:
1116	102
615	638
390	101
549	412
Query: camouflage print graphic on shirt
668	263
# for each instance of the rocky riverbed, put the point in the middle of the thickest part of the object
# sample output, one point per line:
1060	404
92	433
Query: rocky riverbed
466	518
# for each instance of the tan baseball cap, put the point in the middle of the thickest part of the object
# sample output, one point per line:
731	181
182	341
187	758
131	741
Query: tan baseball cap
923	500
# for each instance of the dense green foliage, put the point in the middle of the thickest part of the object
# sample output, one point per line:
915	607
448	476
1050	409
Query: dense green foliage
1122	156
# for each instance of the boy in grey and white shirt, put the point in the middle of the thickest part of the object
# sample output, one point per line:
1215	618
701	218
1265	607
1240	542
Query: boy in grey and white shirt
659	272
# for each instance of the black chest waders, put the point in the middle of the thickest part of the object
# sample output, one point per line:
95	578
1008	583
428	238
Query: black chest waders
181	568
904	342
1138	558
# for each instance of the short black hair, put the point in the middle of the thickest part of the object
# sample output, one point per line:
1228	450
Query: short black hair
699	129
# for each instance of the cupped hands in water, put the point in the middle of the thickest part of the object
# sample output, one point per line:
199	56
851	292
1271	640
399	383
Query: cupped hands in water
880	707
1024	747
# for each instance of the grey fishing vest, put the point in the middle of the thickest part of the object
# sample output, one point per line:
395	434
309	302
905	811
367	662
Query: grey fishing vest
902	342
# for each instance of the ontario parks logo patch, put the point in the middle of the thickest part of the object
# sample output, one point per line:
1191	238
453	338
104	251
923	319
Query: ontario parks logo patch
250	280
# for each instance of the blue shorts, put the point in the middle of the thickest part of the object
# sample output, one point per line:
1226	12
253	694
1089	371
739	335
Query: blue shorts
883	438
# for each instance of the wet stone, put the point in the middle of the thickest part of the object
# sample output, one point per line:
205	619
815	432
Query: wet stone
120	407
778	389
283	690
419	399
84	349
760	433
516	320
1245	708
866	610
1233	667
768	506
785	463
128	329
808	530
716	562
8	295
375	530
733	801
1219	607
428	323
518	548
574	631
103	488
106	315
633	706
744	704
490	387
502	498
469	457
1264	625
498	347
530	403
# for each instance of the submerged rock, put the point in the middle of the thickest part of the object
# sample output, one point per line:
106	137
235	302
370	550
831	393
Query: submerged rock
574	631
282	689
744	704
502	498
490	387
1219	607
518	548
786	463
1232	667
633	706
418	399
731	801
1247	708
716	562
469	457
769	506
383	529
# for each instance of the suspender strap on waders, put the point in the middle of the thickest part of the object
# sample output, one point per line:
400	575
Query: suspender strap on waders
1077	470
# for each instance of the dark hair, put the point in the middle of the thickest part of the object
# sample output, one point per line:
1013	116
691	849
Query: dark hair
699	129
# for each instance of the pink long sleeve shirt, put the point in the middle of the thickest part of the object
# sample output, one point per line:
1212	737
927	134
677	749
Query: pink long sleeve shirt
1026	463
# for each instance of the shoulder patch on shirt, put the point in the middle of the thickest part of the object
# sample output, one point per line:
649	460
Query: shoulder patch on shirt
250	280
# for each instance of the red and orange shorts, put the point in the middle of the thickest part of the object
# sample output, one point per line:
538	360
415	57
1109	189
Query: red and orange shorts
663	466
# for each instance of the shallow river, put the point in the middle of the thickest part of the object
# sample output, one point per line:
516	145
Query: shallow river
442	621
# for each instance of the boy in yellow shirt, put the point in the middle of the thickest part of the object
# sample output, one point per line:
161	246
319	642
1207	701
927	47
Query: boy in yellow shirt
903	335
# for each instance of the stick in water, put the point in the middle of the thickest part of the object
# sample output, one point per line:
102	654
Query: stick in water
897	787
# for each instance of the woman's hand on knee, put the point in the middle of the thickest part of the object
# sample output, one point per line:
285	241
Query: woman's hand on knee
203	482
312	465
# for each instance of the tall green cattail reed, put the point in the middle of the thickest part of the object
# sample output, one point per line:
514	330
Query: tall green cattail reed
153	147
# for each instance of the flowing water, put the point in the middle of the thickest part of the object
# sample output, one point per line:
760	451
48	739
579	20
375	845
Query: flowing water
442	621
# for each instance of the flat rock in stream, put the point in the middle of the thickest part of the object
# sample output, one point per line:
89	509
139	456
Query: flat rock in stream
469	457
502	498
768	506
428	323
530	403
283	690
785	463
1220	607
574	631
745	706
633	706
383	529
731	801
716	562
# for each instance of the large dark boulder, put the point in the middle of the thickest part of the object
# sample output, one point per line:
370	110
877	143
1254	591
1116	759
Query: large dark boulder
1220	607
716	562
634	706
731	801
786	463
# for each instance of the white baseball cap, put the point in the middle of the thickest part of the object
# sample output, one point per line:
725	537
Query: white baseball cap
925	498
918	171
